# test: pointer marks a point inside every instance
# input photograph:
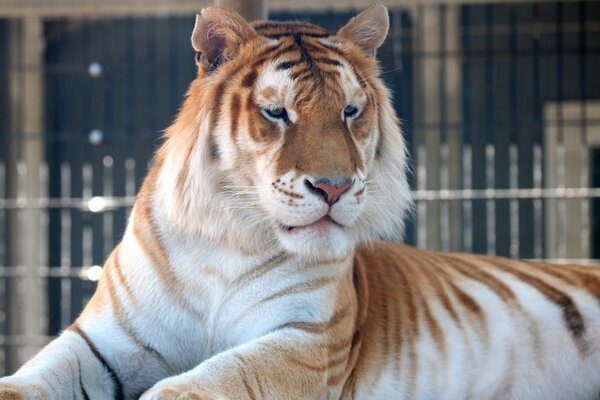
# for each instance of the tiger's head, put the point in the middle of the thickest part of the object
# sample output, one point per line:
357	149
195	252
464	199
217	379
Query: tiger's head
288	136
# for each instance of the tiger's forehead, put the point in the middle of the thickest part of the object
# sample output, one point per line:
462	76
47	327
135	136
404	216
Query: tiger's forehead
311	68
283	87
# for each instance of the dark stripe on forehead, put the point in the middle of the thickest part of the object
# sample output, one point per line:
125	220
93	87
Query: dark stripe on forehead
329	47
340	53
301	73
259	25
266	28
330	61
306	57
289	48
279	35
287	64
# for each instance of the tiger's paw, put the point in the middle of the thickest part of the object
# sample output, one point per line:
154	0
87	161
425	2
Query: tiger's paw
179	392
10	391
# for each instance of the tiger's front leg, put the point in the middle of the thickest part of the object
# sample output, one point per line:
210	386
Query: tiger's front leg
288	363
97	358
68	368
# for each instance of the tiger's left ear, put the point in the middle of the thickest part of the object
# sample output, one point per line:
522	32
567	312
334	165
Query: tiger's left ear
368	29
218	35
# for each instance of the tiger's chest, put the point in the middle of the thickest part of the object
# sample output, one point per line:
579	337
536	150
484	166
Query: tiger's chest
227	300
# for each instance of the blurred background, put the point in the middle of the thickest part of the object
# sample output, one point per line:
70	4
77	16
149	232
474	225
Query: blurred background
499	101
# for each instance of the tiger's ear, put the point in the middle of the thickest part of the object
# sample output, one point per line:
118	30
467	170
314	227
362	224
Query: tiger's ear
218	35
368	29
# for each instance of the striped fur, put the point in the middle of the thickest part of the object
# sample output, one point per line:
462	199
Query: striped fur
239	278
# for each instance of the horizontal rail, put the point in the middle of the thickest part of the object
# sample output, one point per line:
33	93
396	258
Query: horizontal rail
108	203
84	273
587	261
134	8
93	204
506	194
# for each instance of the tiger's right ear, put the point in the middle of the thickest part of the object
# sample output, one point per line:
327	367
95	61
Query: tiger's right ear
218	35
368	29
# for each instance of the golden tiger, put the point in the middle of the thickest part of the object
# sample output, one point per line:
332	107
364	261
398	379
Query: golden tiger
251	266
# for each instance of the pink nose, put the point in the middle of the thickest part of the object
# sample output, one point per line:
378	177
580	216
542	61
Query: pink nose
329	190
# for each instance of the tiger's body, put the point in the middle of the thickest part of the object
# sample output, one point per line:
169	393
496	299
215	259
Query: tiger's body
249	268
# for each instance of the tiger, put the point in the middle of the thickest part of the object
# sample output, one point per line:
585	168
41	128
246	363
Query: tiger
262	257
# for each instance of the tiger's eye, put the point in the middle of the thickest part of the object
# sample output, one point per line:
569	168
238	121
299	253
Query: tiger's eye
275	114
350	111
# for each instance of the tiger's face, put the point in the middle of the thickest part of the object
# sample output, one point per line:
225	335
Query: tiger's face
312	131
297	126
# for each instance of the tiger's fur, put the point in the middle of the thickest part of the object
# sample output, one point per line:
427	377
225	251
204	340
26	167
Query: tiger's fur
230	283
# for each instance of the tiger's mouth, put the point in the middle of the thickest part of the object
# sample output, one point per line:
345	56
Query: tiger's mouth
321	224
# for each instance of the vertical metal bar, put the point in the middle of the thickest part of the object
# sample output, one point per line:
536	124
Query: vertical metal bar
2	217
428	85
130	85
467	178
151	120
562	205
513	149
538	232
489	148
3	262
585	149
87	257
130	177
538	249
514	203
44	225
87	173
107	216
27	294
454	87
467	204
442	54
419	130
76	156
87	236
65	246
94	119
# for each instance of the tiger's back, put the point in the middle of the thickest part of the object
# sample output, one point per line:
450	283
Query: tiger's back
453	325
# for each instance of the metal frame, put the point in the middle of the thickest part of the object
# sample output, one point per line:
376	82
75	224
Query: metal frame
129	8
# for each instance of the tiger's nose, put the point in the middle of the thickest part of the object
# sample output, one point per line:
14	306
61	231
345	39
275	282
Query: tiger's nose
330	190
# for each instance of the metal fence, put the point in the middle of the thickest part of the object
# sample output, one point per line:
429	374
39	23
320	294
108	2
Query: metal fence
500	105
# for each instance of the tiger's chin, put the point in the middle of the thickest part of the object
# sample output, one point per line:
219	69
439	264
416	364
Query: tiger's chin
323	238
